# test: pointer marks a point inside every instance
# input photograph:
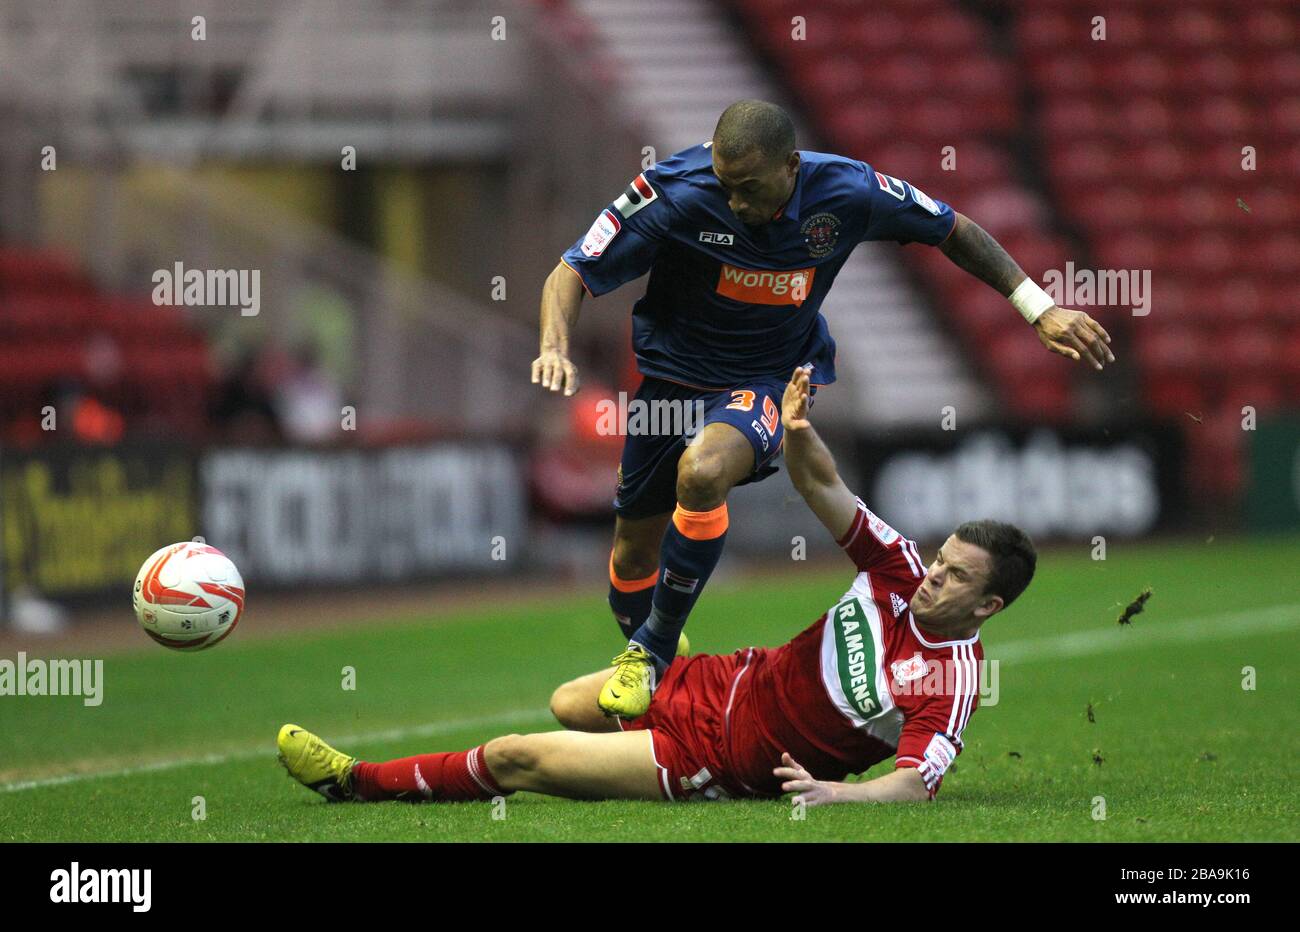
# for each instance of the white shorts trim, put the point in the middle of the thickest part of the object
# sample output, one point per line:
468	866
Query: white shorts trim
664	783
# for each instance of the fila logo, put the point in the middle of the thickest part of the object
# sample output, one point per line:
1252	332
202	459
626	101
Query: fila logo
718	239
637	195
897	602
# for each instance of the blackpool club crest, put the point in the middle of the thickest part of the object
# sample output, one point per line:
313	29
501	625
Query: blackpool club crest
820	232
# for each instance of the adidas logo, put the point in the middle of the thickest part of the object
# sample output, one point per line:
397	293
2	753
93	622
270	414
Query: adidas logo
899	605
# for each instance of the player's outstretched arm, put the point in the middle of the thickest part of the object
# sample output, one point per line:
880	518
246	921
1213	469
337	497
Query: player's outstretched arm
1070	333
561	300
904	785
811	466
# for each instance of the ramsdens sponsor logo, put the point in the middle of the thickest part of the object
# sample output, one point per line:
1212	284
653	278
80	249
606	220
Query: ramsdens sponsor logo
105	885
765	287
858	667
53	678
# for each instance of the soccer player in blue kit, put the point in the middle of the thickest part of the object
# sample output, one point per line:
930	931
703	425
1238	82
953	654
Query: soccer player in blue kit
742	236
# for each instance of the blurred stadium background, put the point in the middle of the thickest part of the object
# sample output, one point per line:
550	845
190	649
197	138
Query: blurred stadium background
404	173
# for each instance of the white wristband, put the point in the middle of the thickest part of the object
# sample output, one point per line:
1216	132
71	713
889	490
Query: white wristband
1030	300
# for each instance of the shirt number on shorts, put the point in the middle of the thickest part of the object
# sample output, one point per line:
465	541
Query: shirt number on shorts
742	399
771	415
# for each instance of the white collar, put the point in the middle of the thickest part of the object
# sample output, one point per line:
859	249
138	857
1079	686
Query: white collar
911	620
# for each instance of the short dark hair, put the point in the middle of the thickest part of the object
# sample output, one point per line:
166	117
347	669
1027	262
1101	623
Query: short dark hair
754	124
1012	552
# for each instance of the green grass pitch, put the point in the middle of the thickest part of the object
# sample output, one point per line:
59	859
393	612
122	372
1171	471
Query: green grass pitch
1187	753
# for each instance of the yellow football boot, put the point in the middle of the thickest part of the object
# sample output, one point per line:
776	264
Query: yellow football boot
626	694
315	764
683	645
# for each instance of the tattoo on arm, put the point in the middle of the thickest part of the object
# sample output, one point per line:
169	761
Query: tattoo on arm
972	249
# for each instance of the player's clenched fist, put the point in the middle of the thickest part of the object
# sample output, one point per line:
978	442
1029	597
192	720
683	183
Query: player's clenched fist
794	403
794	779
554	371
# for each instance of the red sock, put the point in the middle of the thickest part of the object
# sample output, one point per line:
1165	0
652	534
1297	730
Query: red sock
458	776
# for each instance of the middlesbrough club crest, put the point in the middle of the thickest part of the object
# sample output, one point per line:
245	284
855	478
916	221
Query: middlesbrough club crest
820	232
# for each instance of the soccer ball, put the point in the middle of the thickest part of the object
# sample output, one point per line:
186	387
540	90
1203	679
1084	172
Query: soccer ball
188	596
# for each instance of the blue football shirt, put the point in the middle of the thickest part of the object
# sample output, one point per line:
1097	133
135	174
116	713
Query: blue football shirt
727	303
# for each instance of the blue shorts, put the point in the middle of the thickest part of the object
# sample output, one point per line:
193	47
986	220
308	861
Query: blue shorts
673	413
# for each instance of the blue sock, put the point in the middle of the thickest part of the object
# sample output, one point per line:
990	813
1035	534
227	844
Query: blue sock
629	599
691	549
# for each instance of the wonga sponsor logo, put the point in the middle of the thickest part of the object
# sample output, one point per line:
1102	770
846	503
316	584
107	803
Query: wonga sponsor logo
751	286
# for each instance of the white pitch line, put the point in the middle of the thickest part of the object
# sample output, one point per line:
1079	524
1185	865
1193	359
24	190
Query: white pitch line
1073	644
1145	634
392	734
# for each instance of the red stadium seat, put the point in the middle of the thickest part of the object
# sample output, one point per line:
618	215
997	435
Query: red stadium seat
1067	73
948	30
1146	158
875	33
1251	352
1217	73
1161	163
909	74
834	78
1269	28
1049	30
1175	396
1080	164
1008	209
1141	73
1274	74
1074	118
1194	28
1125	29
1148	117
56	329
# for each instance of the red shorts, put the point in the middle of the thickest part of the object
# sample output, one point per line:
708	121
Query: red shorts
697	740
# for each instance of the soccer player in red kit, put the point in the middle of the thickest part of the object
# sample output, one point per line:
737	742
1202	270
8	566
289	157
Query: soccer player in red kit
891	670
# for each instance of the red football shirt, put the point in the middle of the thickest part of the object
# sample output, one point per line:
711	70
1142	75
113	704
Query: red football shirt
864	682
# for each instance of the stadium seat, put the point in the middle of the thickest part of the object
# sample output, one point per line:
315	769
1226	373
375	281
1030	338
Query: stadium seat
56	329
